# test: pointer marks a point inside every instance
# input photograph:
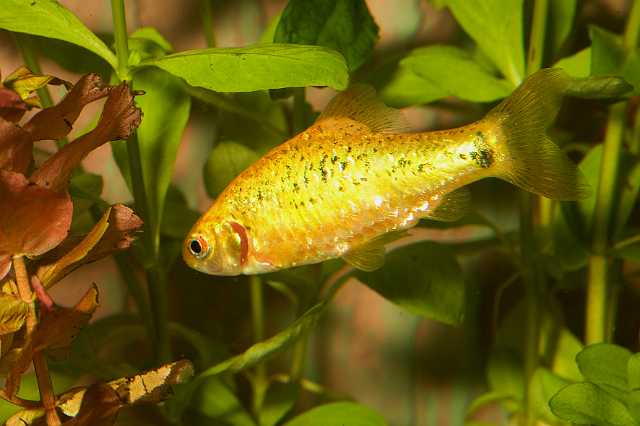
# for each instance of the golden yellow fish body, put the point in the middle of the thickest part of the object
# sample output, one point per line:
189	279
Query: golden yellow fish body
343	184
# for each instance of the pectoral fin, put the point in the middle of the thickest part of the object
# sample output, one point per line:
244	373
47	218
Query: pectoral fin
453	206
370	256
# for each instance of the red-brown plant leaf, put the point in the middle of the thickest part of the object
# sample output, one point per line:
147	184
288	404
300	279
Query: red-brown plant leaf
14	363
56	122
113	233
33	219
12	106
119	118
13	312
58	328
5	265
15	147
100	406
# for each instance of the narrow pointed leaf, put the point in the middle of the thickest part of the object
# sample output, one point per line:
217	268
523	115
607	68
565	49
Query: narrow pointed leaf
339	414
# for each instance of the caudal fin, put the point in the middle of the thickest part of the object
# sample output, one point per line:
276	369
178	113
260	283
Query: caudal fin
534	163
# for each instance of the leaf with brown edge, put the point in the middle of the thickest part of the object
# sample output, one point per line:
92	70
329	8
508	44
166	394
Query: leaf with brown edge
5	265
16	147
24	82
13	312
59	327
33	219
56	122
119	118
113	233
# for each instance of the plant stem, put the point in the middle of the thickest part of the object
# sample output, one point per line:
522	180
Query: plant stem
532	278
25	46
207	23
47	396
121	38
257	313
598	291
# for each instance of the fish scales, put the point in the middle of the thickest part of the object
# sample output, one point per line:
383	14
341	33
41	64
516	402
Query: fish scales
348	180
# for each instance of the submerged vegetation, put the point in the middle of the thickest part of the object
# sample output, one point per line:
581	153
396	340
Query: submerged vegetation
558	278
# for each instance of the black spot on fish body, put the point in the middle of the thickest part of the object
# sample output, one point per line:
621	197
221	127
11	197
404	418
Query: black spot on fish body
483	158
334	159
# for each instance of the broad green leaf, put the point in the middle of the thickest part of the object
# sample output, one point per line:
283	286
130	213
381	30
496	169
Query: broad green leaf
147	43
605	365
226	161
339	414
423	278
629	190
567	346
261	67
607	54
343	25
505	375
634	404
178	218
215	400
278	401
257	353
496	25
407	88
48	18
469	81
489	398
13	312
578	64
586	403
633	372
599	87
166	110
71	57
561	16
544	384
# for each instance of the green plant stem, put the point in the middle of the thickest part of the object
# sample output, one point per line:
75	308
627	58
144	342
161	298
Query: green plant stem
207	23
597	287
121	38
156	276
299	122
532	278
598	291
260	381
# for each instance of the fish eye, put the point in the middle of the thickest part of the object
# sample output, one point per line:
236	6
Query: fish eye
198	247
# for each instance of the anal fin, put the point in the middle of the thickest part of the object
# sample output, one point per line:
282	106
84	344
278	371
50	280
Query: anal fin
453	206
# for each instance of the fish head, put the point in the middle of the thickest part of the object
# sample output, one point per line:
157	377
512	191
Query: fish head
214	247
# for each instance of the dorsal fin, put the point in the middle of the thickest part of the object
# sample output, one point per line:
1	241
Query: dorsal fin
359	103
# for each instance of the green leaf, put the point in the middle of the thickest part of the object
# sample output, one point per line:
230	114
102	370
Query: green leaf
544	384
633	372
178	218
599	87
629	252
470	81
71	57
166	110
586	403
496	25
634	404
147	43
423	278
278	402
49	19
489	398
342	25
605	365
225	162
406	88
214	400
567	346
505	375
257	353
606	51
561	16
247	69
339	414
577	65
629	190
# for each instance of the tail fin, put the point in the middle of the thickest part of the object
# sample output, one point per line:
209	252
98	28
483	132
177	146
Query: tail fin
537	164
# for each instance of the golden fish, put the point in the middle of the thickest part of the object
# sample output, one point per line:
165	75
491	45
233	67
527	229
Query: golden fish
350	183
